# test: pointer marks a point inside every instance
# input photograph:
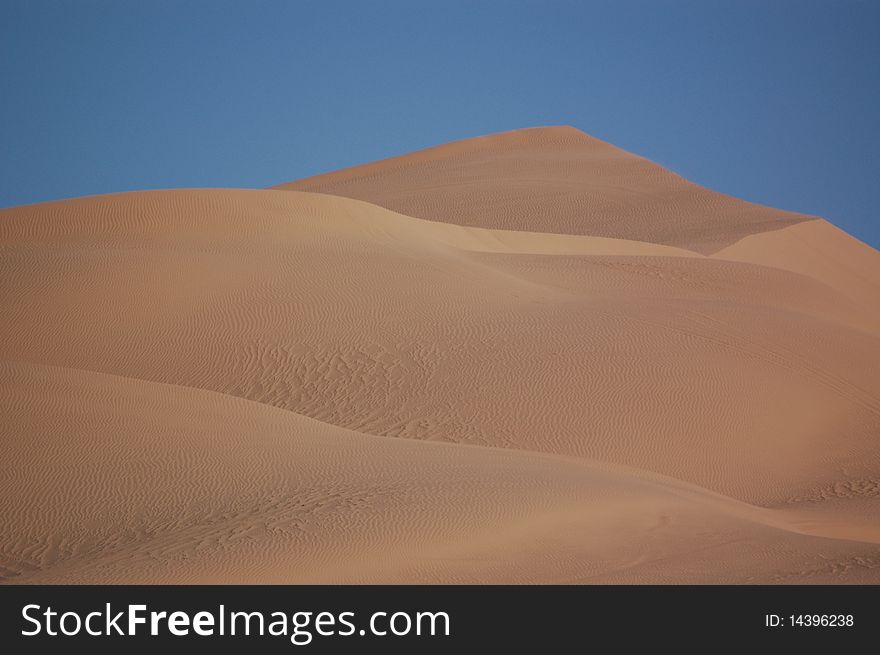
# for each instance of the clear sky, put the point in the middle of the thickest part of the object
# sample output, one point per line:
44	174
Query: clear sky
775	101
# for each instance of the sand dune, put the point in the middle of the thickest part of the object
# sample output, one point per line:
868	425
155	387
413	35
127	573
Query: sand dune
821	251
222	489
553	179
251	385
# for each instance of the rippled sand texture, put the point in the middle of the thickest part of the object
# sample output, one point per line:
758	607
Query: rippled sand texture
529	357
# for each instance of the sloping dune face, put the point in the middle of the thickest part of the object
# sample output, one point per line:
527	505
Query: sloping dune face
554	179
281	386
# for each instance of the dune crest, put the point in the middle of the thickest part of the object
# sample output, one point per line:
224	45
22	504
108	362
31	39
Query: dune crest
551	179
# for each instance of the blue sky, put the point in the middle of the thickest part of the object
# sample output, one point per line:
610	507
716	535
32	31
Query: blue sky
775	101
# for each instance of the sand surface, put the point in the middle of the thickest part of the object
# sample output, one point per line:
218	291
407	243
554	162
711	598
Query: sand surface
530	357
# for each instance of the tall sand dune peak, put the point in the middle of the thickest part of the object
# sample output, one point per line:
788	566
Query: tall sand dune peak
552	179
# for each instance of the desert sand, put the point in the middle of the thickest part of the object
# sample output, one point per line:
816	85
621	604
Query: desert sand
528	357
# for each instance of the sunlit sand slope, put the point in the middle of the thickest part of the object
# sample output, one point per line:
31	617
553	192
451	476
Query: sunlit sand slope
120	480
